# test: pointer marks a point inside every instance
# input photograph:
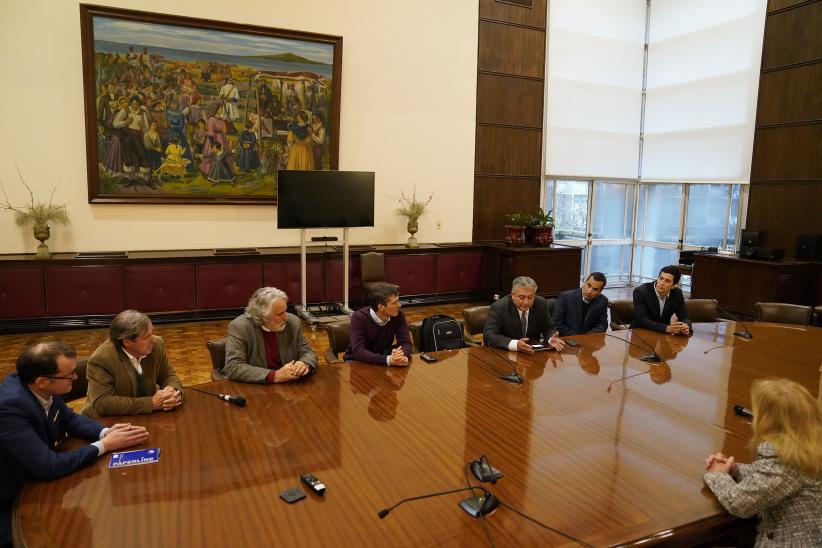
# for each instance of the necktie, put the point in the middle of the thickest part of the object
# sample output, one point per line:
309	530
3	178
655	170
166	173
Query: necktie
524	320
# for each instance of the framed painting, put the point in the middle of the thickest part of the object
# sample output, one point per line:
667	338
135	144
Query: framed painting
190	111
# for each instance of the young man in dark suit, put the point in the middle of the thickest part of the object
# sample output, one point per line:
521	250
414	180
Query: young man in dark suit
583	310
519	317
656	303
34	420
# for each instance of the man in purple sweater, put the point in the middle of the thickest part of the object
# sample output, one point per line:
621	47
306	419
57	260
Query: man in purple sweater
374	328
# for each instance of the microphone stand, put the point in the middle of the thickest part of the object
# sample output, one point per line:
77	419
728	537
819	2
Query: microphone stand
653	356
513	377
239	401
743	334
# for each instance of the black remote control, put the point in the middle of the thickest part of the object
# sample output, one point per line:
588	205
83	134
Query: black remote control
314	483
428	358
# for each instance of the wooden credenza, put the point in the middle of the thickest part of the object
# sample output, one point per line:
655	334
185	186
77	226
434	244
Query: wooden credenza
739	283
185	285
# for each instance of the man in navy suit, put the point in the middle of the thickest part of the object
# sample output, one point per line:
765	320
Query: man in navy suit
583	310
34	420
520	317
656	304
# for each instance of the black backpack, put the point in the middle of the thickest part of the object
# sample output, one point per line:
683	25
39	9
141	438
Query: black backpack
440	332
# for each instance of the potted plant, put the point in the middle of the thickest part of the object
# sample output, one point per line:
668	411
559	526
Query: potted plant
515	228
542	228
412	209
39	215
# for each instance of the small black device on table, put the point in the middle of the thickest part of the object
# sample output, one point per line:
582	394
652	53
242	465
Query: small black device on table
313	483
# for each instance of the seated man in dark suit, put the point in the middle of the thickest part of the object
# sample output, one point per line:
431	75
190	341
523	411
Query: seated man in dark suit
660	305
33	420
519	317
583	310
375	328
266	344
124	372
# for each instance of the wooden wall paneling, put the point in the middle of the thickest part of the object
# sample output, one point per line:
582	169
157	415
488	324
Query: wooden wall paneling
787	153
790	95
459	272
509	100
508	151
792	36
784	210
775	5
510	49
533	16
497	196
414	274
227	285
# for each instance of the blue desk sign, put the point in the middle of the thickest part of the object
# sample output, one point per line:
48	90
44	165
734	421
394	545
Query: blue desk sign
134	458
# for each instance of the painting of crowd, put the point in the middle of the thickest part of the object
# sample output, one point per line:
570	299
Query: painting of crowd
165	125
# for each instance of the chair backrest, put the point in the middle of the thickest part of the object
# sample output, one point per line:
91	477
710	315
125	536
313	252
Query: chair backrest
622	310
372	267
817	316
701	310
79	386
338	333
475	318
416	329
216	349
783	313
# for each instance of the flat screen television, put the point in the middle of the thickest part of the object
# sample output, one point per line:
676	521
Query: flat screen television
325	199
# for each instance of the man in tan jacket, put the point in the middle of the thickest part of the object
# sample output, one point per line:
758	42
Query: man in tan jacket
125	371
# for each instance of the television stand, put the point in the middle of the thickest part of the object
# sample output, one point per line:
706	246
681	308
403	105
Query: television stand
310	313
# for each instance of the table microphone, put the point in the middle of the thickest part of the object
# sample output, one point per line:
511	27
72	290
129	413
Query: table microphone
653	356
514	375
239	401
743	411
384	512
744	334
511	377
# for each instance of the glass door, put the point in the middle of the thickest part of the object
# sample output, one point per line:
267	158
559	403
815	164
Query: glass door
609	241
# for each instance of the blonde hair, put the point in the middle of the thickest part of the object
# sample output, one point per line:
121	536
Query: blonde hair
790	419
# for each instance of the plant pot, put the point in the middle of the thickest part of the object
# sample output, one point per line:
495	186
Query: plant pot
514	235
41	234
412	229
543	235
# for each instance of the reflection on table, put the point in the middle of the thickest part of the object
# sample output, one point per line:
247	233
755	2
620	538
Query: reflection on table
595	443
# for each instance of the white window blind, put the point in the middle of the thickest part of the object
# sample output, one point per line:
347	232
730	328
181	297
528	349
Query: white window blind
594	87
702	82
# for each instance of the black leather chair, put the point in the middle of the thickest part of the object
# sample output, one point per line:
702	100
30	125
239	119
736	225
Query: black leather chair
701	310
337	339
817	316
622	310
216	349
475	318
372	271
783	313
79	386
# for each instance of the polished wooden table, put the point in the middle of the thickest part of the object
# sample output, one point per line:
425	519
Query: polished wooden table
595	443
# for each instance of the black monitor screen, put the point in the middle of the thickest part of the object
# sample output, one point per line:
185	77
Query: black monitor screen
325	199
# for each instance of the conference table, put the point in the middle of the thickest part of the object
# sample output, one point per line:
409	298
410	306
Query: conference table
594	445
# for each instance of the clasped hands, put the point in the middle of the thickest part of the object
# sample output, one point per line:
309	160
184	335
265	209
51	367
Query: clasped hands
291	371
398	357
720	463
555	341
166	399
678	328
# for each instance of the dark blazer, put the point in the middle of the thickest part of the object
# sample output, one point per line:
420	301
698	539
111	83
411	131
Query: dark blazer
27	440
568	314
646	308
112	380
503	323
245	349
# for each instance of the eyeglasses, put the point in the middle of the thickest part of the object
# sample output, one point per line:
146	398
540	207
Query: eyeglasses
71	378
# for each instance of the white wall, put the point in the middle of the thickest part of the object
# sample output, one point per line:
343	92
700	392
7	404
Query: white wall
407	113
